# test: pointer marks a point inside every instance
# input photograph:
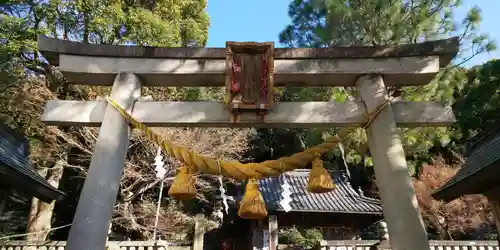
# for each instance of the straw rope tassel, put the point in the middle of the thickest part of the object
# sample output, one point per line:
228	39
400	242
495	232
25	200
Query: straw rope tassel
320	180
252	205
184	185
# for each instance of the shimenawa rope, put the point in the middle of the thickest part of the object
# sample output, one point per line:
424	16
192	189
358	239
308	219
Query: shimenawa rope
252	205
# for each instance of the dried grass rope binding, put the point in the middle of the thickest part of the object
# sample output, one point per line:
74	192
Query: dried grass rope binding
183	186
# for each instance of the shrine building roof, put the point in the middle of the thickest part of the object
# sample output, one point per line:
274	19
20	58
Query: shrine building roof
480	171
343	199
17	172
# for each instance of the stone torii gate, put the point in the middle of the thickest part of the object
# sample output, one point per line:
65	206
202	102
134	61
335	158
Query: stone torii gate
128	68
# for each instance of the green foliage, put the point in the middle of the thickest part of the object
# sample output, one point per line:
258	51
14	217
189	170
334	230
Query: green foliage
347	22
155	23
312	238
307	239
15	37
289	236
478	103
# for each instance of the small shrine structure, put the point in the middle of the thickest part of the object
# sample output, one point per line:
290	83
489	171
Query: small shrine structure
342	214
16	170
479	174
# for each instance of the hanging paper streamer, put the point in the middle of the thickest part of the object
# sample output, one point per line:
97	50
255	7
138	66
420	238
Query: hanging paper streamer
342	154
285	194
160	174
223	194
160	170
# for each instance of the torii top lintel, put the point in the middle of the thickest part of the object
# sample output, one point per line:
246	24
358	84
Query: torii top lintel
446	49
98	64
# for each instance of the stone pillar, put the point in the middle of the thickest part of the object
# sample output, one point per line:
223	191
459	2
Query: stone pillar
257	236
273	232
199	232
404	223
98	198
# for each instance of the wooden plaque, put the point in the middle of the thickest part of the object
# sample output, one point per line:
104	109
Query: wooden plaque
249	75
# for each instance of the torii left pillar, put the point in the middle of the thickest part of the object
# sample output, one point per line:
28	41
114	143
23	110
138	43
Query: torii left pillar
97	200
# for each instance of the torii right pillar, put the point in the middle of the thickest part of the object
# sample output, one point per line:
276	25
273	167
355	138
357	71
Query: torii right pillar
404	223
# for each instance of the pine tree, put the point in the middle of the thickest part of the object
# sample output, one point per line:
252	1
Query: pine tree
326	23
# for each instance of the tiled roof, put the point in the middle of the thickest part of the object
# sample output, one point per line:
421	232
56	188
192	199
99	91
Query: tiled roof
344	199
16	169
484	154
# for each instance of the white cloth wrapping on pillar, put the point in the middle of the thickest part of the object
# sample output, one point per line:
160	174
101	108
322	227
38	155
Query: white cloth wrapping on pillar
342	154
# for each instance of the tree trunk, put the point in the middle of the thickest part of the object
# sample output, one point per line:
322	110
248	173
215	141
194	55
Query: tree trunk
40	217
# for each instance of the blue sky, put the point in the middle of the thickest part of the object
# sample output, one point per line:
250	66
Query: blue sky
262	21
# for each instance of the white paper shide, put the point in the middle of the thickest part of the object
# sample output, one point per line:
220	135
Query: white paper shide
285	194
